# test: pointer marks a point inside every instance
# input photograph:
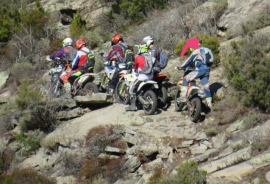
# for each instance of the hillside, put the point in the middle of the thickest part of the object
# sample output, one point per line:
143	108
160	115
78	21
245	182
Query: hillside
100	142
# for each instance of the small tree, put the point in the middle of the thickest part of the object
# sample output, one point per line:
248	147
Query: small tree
247	67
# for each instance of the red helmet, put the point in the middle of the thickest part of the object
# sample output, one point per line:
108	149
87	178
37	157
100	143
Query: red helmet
116	38
80	42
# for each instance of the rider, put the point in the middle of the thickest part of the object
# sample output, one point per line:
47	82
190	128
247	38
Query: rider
154	52
116	53
79	61
201	71
142	73
67	53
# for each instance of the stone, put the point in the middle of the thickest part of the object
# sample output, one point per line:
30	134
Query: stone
198	149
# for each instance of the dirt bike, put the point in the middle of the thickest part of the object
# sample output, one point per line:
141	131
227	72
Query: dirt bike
161	92
106	78
54	88
146	95
86	84
194	100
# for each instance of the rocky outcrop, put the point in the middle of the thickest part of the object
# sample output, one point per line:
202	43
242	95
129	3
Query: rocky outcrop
239	12
63	11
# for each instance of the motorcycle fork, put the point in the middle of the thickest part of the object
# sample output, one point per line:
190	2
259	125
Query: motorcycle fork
103	80
122	88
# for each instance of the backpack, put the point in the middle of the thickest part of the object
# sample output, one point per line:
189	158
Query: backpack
128	55
163	60
148	64
207	55
90	63
69	54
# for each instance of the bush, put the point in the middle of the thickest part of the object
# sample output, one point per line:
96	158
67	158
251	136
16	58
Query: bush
3	159
28	95
247	68
100	137
104	169
77	26
35	113
187	173
30	141
25	176
93	38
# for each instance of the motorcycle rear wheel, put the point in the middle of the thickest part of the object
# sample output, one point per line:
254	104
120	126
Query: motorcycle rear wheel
178	105
121	98
195	113
150	97
162	96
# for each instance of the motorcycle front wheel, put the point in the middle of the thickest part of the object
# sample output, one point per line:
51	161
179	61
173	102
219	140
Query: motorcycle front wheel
54	89
88	89
178	105
195	109
122	93
151	98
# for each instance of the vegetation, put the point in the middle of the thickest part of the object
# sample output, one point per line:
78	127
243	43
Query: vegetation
187	173
30	141
247	70
77	26
25	176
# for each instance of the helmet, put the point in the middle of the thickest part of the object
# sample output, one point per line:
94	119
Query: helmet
142	48
148	40
67	41
193	43
80	42
116	38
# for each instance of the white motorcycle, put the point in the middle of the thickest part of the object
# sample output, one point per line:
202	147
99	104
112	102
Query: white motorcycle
146	97
194	101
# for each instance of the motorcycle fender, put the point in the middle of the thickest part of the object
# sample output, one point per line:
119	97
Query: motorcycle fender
153	83
192	91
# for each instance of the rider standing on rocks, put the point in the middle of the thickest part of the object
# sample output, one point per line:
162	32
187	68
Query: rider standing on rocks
153	51
79	61
67	53
117	53
202	70
143	67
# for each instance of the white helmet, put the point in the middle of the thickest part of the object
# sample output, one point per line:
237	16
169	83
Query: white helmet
148	40
67	41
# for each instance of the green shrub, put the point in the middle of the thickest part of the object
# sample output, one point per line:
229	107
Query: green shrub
34	19
10	17
93	38
211	132
30	141
25	176
77	26
208	41
21	70
187	173
28	95
247	67
251	120
100	137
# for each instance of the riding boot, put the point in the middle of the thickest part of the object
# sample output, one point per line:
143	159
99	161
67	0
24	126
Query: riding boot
209	103
132	106
67	87
182	97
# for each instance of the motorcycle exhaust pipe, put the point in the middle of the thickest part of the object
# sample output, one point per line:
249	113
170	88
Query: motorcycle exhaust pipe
142	101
